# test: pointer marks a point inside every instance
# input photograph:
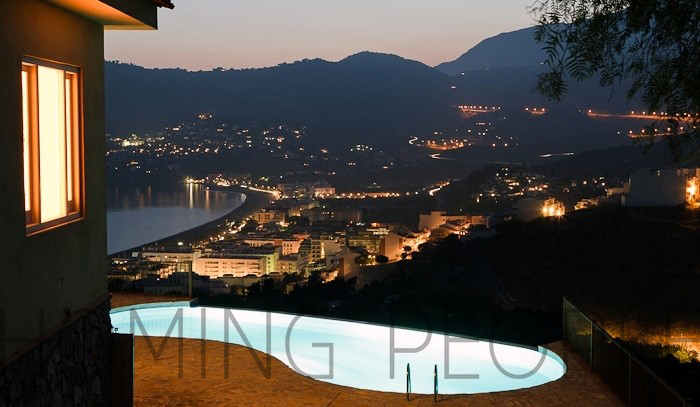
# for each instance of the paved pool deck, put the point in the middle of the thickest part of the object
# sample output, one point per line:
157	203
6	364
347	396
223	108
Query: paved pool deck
158	383
125	299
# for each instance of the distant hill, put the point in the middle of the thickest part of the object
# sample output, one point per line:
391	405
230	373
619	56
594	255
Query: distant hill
620	161
562	129
516	49
503	70
366	95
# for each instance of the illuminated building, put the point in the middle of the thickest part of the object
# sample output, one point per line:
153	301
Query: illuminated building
553	208
132	141
231	265
266	216
369	238
181	257
288	245
693	191
437	218
293	263
54	304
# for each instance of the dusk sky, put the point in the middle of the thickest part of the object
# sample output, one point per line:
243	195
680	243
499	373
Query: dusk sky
204	34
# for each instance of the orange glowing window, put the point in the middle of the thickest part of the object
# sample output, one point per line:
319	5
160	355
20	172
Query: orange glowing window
52	144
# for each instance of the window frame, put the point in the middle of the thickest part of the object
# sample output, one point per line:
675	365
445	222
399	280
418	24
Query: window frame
75	203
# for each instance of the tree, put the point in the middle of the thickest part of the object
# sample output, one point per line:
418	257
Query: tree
650	46
250	226
381	259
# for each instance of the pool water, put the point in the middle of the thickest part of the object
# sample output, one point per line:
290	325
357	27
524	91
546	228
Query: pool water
355	354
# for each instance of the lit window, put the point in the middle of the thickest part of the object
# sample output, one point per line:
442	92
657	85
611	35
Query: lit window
52	141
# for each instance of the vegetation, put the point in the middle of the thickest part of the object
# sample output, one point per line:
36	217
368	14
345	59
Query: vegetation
679	366
635	271
436	299
650	47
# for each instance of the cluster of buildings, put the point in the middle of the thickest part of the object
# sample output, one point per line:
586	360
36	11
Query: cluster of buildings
478	133
333	241
663	187
202	136
513	181
653	188
298	235
316	189
439	224
285	150
644	188
528	209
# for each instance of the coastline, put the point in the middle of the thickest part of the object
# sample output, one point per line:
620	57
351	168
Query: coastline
253	201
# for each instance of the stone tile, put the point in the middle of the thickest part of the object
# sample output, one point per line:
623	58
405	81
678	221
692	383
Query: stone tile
157	384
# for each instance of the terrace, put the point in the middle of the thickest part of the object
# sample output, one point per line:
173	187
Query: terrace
157	382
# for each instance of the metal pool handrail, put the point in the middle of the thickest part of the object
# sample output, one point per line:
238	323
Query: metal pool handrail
408	381
435	384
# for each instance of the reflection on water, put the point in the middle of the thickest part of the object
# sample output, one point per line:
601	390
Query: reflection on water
139	215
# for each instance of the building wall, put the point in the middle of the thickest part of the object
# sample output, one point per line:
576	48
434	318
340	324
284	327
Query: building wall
294	263
348	267
316	250
325	191
289	246
59	373
348	214
173	257
237	267
656	188
332	246
263	217
436	218
431	221
368	241
60	270
528	209
392	246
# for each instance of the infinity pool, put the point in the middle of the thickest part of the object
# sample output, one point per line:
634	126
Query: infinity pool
354	354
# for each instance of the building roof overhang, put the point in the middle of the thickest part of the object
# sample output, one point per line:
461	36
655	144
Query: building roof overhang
118	14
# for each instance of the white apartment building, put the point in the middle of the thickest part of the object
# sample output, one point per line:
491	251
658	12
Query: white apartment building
266	216
666	187
232	265
289	246
313	248
437	218
293	263
323	191
393	245
172	256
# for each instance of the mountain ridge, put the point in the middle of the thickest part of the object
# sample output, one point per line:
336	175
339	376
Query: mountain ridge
370	96
514	49
367	93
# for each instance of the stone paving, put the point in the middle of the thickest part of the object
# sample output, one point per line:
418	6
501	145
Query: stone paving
126	299
158	383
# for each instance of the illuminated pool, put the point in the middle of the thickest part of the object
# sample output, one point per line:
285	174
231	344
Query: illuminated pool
361	353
